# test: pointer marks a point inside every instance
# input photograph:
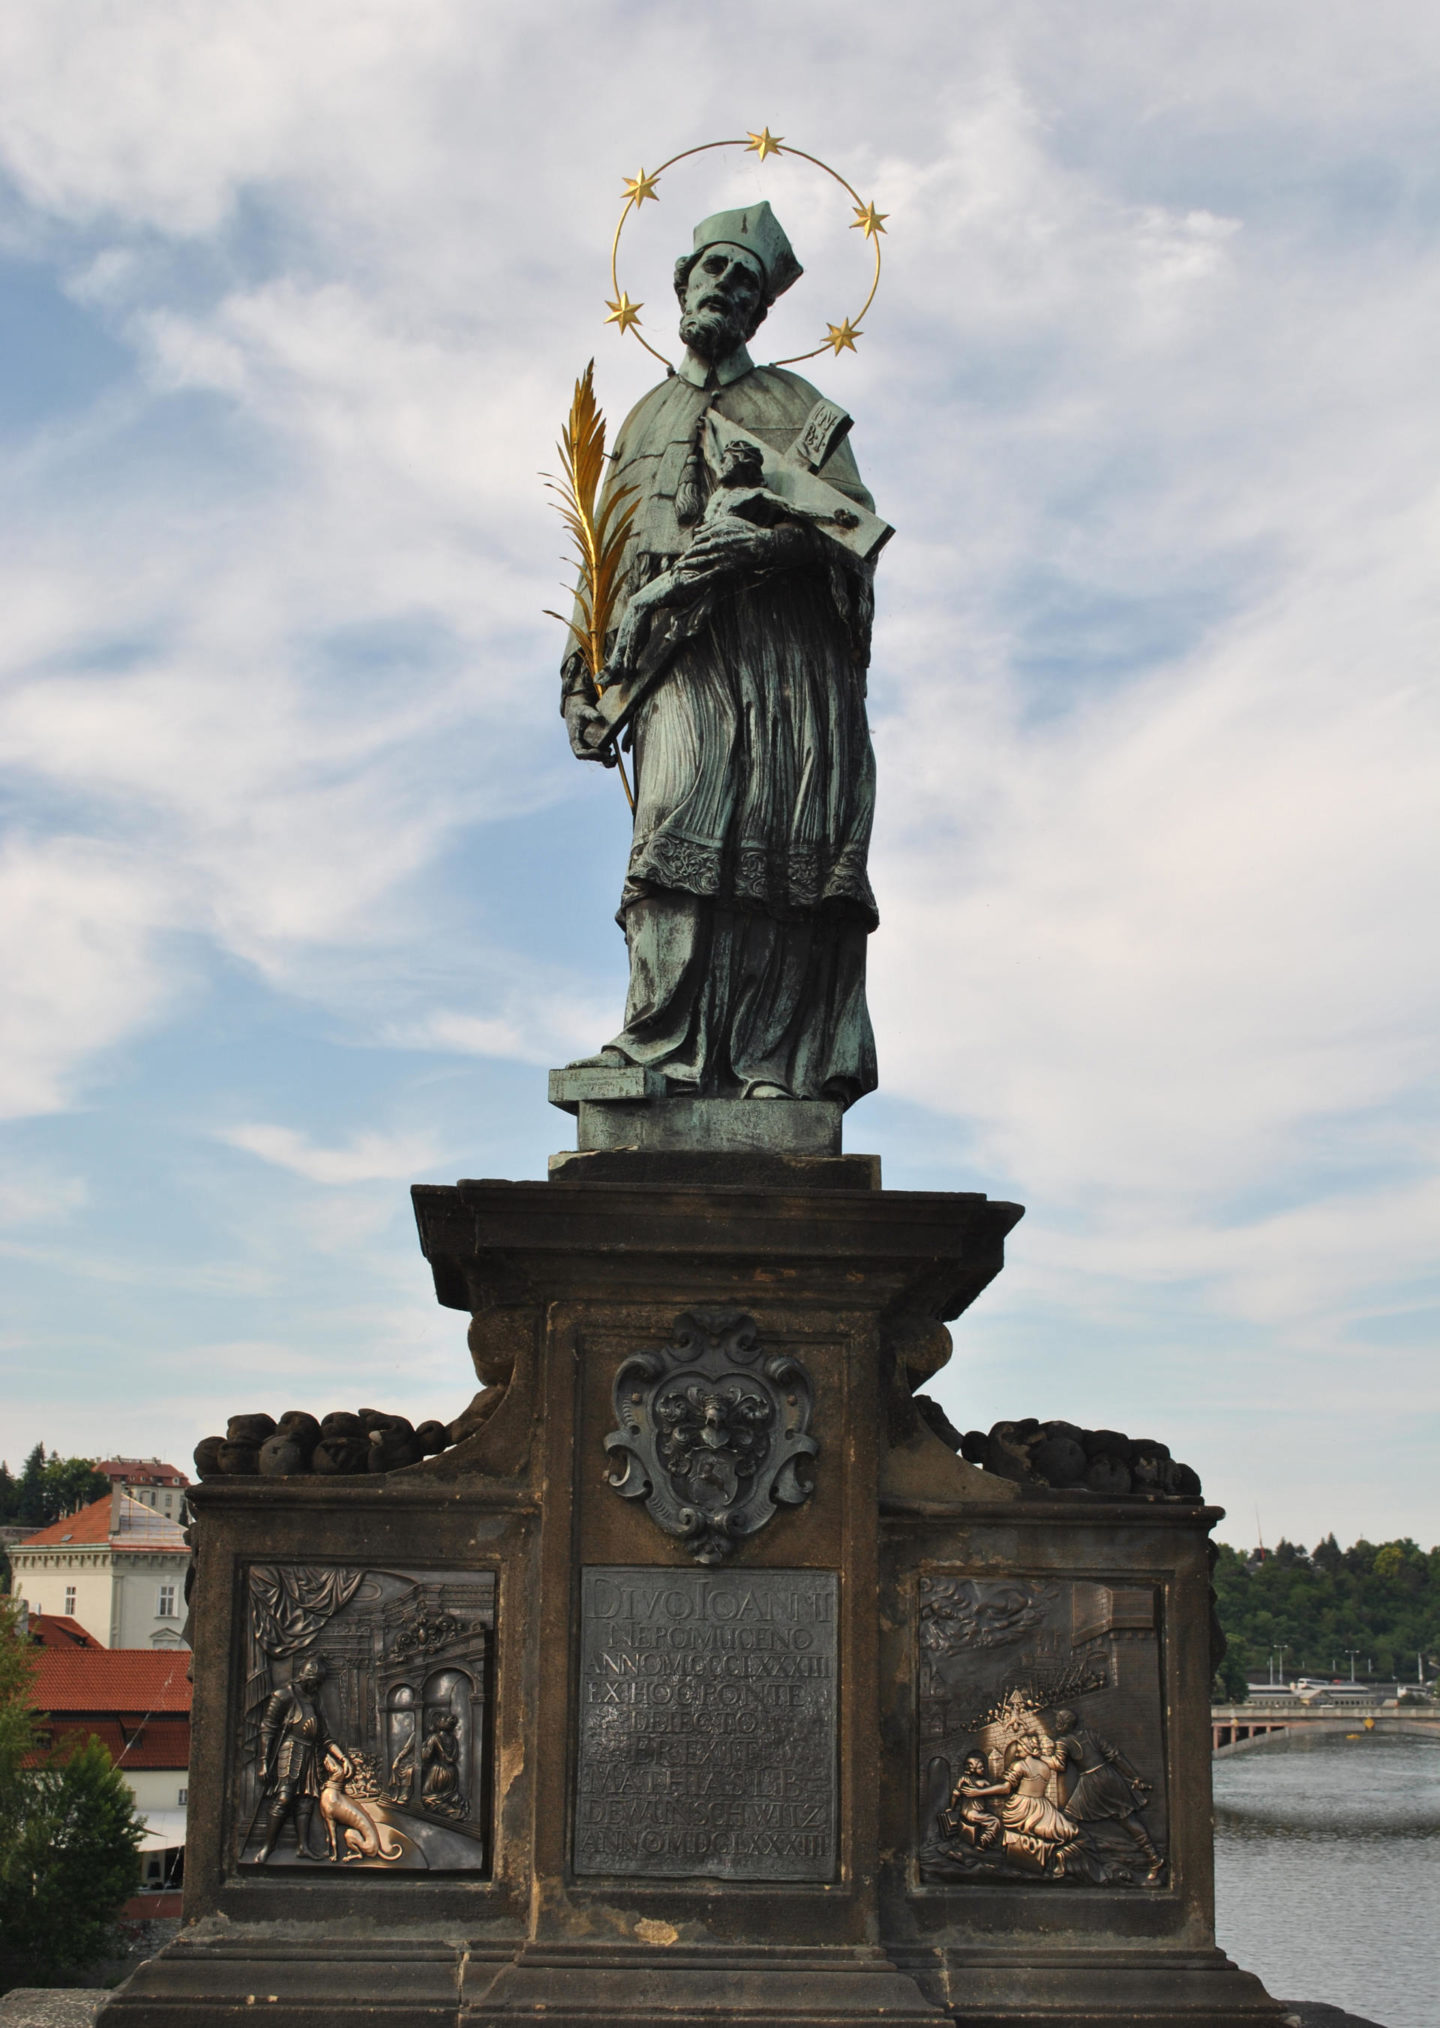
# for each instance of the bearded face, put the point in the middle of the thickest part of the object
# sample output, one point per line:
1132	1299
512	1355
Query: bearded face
723	302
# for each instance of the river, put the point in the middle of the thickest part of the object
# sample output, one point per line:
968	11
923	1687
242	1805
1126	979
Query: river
1327	1872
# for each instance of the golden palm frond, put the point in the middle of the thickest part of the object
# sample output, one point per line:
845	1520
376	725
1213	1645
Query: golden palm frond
599	534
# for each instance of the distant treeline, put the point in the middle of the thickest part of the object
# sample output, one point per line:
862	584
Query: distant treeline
48	1487
1381	1600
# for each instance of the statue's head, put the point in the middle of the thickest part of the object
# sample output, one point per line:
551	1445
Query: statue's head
743	464
974	1765
741	261
310	1674
1064	1721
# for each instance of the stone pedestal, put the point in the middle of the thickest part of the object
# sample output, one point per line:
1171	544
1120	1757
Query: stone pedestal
661	1682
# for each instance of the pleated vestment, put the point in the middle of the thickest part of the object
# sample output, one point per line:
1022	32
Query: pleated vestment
747	903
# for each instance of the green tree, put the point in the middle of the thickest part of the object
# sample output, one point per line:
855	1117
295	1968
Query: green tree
1382	1600
18	1731
9	1493
69	1834
69	1484
71	1862
1232	1684
30	1490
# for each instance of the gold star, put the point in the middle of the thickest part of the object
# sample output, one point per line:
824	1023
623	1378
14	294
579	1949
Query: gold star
623	312
869	220
763	144
638	188
841	337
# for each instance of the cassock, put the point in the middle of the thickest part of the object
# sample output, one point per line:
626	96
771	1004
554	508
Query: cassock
746	904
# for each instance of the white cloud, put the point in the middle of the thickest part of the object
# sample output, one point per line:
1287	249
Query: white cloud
40	1197
83	963
367	1158
1143	392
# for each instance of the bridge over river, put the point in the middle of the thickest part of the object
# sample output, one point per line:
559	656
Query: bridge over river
1234	1728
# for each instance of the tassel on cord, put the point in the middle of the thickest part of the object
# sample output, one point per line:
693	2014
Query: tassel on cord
694	487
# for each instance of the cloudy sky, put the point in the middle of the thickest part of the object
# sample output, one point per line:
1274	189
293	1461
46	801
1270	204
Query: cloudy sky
300	891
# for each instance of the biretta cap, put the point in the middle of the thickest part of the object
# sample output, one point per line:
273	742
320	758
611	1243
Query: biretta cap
760	233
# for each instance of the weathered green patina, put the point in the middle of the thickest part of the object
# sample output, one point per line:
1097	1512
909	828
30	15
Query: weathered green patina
746	904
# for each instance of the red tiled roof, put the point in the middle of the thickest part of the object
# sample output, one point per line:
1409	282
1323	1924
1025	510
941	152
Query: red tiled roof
141	1472
55	1630
139	1527
162	1743
110	1680
91	1524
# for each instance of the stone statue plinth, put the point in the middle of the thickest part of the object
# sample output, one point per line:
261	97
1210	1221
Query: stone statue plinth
658	1689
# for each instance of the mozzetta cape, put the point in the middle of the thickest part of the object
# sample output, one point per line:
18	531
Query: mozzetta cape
756	778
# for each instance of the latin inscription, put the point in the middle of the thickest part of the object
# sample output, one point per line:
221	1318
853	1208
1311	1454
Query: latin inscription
707	1724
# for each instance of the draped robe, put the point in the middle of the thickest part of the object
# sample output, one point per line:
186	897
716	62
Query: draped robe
746	905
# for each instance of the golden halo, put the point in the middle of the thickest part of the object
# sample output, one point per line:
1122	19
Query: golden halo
625	314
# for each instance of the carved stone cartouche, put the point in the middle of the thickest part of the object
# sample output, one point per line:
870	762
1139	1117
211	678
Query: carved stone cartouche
712	1430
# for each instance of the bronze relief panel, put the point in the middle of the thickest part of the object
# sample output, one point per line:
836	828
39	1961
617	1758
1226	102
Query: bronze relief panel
365	1736
1041	1744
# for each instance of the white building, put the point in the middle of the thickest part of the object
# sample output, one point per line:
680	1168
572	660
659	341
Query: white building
117	1567
159	1485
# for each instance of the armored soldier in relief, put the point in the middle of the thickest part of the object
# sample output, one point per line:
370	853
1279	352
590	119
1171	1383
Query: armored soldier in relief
293	1739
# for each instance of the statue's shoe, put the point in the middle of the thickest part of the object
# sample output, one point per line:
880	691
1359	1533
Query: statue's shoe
604	1059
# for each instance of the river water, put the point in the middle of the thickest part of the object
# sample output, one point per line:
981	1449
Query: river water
1327	1872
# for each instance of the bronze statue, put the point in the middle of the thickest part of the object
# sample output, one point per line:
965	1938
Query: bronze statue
1029	1812
343	1816
1105	1785
293	1739
746	905
440	1790
968	1813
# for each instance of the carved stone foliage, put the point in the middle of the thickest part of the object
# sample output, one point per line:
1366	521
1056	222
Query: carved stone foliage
365	1736
1041	1751
712	1432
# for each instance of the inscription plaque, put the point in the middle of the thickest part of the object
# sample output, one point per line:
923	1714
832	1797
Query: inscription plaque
708	1717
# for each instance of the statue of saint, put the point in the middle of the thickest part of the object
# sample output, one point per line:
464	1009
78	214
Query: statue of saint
746	905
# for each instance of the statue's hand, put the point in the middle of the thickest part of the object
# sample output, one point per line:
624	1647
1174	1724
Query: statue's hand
579	717
722	547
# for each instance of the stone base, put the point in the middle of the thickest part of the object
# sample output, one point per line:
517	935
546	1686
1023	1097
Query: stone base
256	1974
761	1126
1041	1986
703	1770
729	1169
430	1982
51	2006
612	1985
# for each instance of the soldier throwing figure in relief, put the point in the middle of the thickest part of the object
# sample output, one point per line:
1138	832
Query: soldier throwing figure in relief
746	905
1105	1787
293	1739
